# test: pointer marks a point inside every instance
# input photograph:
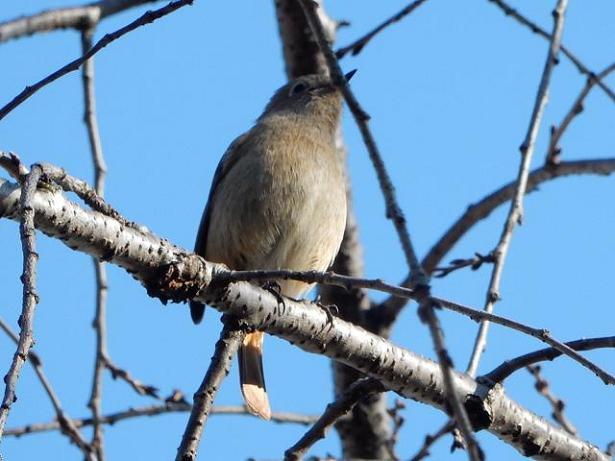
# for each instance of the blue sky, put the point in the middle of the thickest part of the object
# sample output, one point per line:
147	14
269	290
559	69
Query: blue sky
450	91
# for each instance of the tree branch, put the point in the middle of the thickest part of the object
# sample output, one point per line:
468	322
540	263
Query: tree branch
226	347
155	410
357	46
100	317
389	309
554	150
26	212
503	371
146	18
152	261
64	423
542	386
75	17
358	390
582	68
515	213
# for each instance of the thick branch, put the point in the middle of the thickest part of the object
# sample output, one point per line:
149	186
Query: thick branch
299	322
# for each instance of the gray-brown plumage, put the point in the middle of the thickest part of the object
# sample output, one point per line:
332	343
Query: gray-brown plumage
278	201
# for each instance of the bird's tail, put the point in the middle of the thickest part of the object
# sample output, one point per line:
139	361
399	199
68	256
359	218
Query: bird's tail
197	310
251	375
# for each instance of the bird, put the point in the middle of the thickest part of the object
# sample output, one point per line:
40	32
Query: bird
278	201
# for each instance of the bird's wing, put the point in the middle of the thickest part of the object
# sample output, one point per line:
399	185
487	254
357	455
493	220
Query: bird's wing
228	160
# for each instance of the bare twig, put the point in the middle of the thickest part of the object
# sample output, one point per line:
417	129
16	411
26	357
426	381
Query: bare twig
146	18
155	410
474	263
357	46
84	191
554	150
100	317
515	214
138	386
503	371
335	410
398	422
64	423
226	347
76	17
582	68
89	116
29	296
430	439
542	386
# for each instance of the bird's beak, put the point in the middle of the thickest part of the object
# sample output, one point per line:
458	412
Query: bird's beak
349	75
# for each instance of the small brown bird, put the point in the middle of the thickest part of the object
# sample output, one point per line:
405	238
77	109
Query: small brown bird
278	201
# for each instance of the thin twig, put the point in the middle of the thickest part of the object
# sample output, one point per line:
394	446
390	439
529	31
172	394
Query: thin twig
554	150
394	212
582	68
515	213
29	296
100	317
430	439
335	410
146	18
398	421
357	46
226	347
507	368
84	191
138	386
542	386
65	424
155	410
89	117
474	263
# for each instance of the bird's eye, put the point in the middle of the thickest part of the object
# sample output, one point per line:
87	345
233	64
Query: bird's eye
299	88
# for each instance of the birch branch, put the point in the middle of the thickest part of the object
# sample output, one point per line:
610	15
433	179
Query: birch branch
186	276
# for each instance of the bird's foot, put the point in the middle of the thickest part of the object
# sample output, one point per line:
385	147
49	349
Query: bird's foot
275	289
329	310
